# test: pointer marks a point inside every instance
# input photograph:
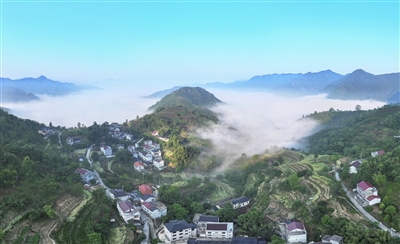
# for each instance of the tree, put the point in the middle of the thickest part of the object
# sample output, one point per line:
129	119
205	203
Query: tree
7	177
358	107
94	237
176	211
77	189
293	181
227	213
95	156
49	211
379	179
390	210
276	240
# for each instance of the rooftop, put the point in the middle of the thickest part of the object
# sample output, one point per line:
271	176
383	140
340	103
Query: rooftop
174	226
240	200
295	225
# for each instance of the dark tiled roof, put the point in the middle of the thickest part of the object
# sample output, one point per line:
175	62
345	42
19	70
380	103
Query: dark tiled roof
175	226
126	206
336	238
146	196
149	206
356	164
217	226
295	225
240	200
208	218
118	193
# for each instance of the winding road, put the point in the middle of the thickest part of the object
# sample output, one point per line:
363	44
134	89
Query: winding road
363	211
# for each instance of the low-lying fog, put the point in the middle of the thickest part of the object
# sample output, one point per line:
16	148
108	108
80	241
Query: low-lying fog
254	122
250	122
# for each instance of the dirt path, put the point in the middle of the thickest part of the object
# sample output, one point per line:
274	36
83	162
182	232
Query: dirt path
63	207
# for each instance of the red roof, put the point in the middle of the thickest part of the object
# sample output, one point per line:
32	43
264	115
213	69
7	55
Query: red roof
380	152
80	171
372	197
145	189
138	164
364	185
295	225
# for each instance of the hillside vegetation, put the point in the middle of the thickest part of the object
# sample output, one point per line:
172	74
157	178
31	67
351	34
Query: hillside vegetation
187	96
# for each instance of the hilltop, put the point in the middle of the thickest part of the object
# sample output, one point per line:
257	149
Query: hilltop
361	85
193	97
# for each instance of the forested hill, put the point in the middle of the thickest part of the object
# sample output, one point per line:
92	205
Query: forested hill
188	96
346	132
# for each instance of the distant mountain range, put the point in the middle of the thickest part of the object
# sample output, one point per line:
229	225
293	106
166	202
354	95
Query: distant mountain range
357	85
24	90
188	96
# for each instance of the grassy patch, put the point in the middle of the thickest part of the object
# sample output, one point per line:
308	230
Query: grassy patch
223	191
98	167
118	235
87	197
109	165
80	151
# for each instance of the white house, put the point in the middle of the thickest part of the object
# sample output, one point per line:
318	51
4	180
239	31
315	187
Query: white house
219	230
373	199
107	151
148	142
85	174
335	239
155	209
139	166
70	140
365	189
117	194
380	152
147	198
296	232
131	148
158	162
120	146
175	231
128	211
146	156
240	202
129	137
354	166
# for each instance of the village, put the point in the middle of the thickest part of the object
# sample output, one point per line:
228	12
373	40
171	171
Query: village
142	208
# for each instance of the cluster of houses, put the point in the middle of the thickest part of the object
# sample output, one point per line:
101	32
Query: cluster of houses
47	131
366	193
115	130
129	205
73	141
205	229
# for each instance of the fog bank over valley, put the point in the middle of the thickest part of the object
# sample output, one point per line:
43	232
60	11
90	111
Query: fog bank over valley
111	105
250	123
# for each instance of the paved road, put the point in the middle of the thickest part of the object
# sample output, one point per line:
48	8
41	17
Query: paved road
88	154
363	211
146	232
59	139
147	219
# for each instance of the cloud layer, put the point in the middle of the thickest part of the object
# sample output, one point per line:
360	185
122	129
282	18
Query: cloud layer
111	105
250	123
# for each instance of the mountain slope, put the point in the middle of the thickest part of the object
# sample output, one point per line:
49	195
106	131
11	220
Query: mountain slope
163	93
363	85
188	96
42	85
14	95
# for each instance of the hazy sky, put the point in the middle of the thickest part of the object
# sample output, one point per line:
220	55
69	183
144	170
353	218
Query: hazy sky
185	42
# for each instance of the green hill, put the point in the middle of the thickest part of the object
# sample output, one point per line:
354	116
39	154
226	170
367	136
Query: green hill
347	132
188	96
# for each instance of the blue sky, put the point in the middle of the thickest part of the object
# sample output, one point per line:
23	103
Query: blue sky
168	43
